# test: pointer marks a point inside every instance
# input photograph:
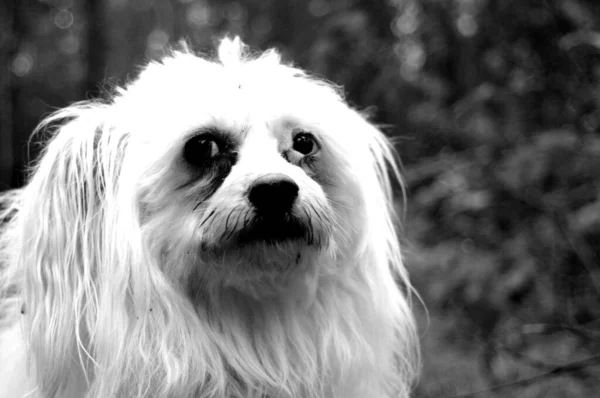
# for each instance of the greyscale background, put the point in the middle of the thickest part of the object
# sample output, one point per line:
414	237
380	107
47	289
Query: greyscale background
493	106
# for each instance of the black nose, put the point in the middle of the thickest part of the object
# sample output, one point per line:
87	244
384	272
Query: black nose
273	194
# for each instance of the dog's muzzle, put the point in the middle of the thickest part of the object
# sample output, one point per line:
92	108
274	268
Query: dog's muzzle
273	198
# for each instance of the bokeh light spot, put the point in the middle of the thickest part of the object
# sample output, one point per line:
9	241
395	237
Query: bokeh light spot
63	19
235	12
414	55
261	26
69	44
466	25
157	40
318	8
408	22
22	64
198	15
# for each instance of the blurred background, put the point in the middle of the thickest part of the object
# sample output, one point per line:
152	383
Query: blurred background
493	106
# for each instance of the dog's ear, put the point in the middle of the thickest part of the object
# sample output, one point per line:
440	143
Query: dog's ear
378	174
95	300
59	238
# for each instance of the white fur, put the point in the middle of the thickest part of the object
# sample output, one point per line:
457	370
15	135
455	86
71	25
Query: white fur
127	267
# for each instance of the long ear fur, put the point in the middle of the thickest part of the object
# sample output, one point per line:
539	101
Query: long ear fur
94	299
387	243
57	238
9	277
381	264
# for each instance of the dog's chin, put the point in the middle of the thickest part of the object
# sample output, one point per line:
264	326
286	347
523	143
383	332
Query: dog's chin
266	255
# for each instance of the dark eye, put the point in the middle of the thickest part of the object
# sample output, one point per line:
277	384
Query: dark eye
200	149
305	143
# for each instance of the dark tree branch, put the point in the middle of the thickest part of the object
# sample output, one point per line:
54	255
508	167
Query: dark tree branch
570	367
526	359
581	332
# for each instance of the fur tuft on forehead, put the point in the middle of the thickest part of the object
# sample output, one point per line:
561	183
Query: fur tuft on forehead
234	51
231	51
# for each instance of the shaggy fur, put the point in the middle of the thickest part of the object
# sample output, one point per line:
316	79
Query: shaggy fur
132	269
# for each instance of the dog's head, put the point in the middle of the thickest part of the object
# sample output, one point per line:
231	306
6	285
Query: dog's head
241	175
240	172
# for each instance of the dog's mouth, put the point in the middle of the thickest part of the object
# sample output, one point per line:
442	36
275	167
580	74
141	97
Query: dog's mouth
256	253
276	230
251	230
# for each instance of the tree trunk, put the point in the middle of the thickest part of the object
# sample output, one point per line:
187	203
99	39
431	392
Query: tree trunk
96	46
8	10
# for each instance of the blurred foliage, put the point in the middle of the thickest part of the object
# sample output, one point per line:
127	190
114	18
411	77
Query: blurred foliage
493	105
505	206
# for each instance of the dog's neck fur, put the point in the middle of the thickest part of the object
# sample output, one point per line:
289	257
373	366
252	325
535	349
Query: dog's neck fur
330	354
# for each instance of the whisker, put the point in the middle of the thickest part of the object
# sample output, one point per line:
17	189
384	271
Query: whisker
315	211
340	204
212	213
246	219
227	224
310	230
237	220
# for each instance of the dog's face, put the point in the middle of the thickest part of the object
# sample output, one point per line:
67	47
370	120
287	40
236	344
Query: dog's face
241	176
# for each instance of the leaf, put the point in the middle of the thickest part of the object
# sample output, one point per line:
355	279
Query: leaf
587	219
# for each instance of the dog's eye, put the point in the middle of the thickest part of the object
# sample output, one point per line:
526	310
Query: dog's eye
305	143
200	149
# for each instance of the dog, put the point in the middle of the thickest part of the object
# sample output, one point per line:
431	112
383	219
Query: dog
219	227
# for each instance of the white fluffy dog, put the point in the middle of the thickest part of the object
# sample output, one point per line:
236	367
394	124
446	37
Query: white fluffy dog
215	229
